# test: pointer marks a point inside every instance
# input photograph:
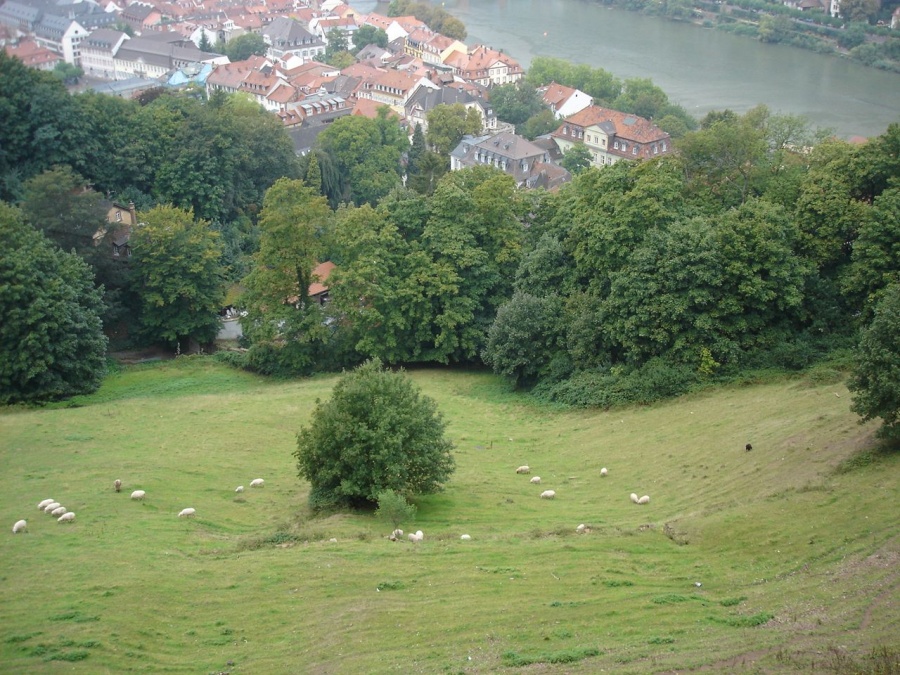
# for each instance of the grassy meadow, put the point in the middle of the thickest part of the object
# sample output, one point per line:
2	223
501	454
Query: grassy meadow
782	559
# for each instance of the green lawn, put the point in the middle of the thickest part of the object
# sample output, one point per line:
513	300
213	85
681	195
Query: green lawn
795	548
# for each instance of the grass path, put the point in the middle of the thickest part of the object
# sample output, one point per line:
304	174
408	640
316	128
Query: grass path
795	544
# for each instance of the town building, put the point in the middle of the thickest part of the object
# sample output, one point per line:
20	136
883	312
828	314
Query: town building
611	136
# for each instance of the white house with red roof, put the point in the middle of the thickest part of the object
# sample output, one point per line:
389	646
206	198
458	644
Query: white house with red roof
612	136
485	66
564	101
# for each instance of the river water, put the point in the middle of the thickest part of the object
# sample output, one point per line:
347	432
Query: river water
702	69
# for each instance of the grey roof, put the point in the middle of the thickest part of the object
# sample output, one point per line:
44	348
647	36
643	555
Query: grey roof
305	135
343	85
161	53
510	146
372	51
19	12
287	32
104	38
137	10
466	144
429	98
165	36
53	27
548	145
88	14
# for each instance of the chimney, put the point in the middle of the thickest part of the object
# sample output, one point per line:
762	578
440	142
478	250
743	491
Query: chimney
133	213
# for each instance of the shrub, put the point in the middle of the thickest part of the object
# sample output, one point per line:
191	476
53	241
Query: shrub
378	432
394	509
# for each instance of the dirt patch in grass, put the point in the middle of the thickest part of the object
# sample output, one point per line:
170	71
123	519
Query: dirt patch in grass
134	356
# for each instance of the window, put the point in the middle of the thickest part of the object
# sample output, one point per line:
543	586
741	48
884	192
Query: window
624	146
118	216
655	149
115	250
634	150
664	146
616	145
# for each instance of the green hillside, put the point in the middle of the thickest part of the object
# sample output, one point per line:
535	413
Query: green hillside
781	559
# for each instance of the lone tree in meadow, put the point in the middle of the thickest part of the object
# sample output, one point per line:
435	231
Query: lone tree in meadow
876	373
377	433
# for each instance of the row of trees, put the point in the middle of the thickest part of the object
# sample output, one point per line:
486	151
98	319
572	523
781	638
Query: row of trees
757	244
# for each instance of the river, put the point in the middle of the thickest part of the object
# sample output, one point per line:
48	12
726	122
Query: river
701	69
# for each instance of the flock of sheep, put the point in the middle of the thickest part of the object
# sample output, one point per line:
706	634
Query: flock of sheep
63	515
551	494
51	506
416	537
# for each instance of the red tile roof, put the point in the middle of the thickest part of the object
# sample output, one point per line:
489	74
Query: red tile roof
625	125
32	55
369	108
321	272
555	94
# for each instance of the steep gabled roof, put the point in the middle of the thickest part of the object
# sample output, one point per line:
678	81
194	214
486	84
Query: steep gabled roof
555	94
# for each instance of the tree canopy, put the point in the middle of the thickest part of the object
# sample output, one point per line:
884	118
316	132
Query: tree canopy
447	124
51	339
876	373
286	328
244	46
177	275
377	432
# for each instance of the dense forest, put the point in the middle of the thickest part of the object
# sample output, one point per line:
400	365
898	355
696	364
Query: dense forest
757	245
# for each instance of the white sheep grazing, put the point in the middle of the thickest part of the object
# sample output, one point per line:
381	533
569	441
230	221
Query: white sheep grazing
634	498
524	469
19	526
397	533
548	494
257	482
187	513
466	537
66	517
118	485
138	494
52	505
644	500
414	538
239	488
58	512
44	503
581	528
536	480
603	472
420	535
